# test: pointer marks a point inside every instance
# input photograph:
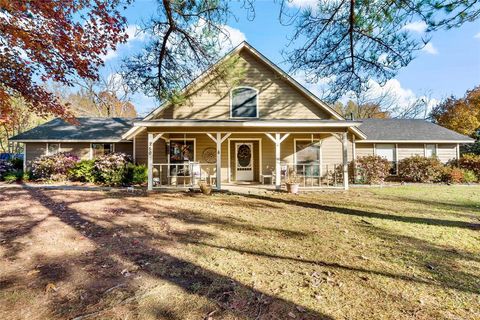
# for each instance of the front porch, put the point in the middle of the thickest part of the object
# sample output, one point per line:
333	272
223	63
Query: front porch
182	159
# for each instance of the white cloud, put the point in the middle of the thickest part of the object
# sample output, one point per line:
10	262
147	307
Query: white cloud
416	26
430	49
232	38
302	4
135	33
477	36
111	54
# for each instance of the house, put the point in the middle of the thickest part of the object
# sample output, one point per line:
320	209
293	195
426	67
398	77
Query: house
259	126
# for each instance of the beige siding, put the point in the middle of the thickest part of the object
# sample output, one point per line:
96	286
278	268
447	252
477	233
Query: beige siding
406	150
446	152
364	149
34	150
277	99
80	149
124	147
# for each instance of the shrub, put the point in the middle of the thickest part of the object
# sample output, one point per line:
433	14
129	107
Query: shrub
136	174
452	175
83	171
470	162
372	169
421	169
469	176
5	167
54	167
111	168
17	163
13	176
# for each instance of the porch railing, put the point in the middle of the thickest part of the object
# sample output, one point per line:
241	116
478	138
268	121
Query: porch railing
186	175
313	175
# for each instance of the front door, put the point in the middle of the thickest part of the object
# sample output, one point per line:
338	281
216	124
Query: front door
244	161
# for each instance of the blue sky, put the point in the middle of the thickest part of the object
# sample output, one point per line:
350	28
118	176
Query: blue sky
450	64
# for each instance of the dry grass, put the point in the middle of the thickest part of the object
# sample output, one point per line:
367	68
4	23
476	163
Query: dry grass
396	253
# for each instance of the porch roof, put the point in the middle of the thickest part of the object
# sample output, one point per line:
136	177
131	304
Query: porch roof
254	124
249	123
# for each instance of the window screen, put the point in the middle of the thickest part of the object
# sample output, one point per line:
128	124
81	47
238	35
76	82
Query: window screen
244	103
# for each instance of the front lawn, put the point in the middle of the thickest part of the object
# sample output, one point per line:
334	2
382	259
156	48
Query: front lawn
410	252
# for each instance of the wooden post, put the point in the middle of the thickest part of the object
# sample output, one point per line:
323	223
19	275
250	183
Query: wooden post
345	160
278	169
219	161
150	162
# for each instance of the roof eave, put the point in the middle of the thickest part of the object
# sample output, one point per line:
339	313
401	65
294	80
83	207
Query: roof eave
416	141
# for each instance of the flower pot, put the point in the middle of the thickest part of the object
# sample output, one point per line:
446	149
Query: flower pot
292	188
206	189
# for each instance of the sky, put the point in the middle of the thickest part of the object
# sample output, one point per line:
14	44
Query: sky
448	65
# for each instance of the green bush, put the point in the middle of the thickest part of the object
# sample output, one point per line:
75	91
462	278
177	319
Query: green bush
135	174
13	176
469	176
372	169
83	171
17	163
421	169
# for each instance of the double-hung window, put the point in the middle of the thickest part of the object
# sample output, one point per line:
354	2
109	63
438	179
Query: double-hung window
100	149
387	151
53	148
430	150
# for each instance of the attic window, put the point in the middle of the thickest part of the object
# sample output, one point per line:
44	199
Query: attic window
244	102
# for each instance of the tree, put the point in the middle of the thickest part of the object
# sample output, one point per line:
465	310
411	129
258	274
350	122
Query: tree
20	120
185	40
461	115
53	40
351	42
108	97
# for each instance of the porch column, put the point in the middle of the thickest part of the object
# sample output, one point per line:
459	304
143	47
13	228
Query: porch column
151	140
345	160
278	139
218	177
218	139
150	162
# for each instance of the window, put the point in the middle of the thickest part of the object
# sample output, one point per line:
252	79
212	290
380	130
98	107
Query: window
307	158
244	103
430	150
181	151
53	148
387	151
100	149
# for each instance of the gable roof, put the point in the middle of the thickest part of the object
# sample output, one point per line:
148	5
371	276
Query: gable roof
246	46
90	129
409	130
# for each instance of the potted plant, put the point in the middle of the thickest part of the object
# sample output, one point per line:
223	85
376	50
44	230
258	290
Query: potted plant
205	188
292	181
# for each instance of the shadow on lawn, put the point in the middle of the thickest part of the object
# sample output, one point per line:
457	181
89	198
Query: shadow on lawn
131	244
367	214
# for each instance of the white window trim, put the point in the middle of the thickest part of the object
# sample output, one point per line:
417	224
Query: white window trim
257	98
59	148
435	153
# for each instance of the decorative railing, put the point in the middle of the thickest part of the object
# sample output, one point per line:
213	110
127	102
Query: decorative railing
183	175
